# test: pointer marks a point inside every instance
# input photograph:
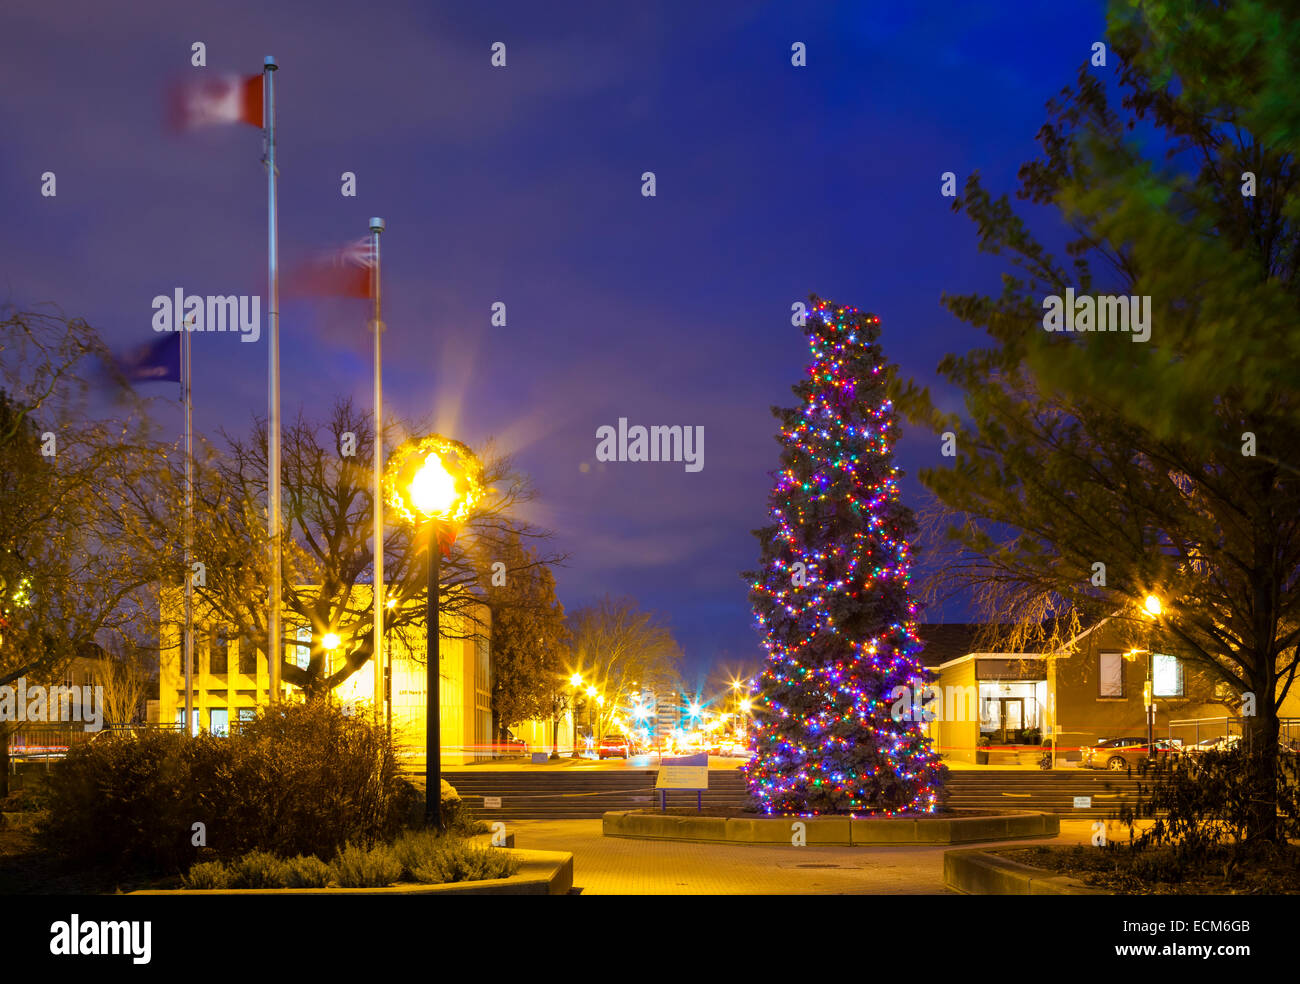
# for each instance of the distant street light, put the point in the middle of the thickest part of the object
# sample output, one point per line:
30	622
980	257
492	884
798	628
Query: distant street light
435	482
1154	608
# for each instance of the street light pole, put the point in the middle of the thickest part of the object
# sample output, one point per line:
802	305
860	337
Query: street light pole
426	488
1153	608
433	716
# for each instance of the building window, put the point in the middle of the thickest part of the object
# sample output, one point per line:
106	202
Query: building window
1166	676
219	721
218	650
247	656
1110	675
482	664
303	649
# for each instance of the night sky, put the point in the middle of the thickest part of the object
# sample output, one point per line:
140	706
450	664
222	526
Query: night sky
523	185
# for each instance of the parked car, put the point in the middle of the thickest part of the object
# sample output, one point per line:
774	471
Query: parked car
613	745
1120	754
737	749
510	747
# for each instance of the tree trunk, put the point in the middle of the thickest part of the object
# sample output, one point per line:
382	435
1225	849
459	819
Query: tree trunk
5	731
1260	738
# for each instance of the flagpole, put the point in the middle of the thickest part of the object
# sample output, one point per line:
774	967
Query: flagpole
188	396
376	227
273	649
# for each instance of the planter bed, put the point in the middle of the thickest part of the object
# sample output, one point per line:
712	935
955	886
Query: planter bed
540	873
1155	872
954	827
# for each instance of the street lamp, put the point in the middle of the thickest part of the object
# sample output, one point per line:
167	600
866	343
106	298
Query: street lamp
591	696
435	482
390	604
1153	608
575	682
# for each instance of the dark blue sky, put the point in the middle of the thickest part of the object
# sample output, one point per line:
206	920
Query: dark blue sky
522	185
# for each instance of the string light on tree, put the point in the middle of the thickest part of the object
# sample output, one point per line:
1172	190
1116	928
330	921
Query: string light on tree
843	635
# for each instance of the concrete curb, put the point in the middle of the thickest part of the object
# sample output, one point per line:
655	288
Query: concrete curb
839	831
540	873
975	872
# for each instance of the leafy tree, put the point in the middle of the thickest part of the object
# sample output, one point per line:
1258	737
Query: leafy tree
1170	462
529	636
75	566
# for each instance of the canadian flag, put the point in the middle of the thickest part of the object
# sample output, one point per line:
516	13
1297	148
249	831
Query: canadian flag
342	272
217	99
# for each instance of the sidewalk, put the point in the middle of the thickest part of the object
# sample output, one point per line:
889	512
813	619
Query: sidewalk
616	866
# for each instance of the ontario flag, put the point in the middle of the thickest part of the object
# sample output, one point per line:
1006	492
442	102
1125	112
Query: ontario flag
217	99
345	272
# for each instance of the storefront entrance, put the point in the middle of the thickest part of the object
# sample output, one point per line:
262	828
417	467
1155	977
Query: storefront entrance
1010	719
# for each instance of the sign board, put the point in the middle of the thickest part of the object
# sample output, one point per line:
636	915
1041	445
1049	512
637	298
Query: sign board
539	758
687	772
1083	802
491	802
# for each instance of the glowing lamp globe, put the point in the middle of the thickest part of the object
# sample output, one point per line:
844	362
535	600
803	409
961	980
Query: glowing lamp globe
1153	606
433	489
433	478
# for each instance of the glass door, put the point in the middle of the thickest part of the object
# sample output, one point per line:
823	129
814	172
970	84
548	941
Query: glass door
1011	718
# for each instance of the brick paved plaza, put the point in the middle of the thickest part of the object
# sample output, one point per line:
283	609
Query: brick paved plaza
616	866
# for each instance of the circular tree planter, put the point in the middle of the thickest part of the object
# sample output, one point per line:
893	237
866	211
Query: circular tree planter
951	828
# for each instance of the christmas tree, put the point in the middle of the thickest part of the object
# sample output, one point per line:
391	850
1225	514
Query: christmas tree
832	598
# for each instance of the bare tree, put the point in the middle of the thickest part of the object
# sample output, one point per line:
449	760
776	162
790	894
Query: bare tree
328	553
621	650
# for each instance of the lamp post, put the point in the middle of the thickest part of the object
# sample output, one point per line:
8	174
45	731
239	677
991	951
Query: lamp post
388	666
433	481
575	682
1154	608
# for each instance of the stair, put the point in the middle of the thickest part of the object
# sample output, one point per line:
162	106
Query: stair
554	794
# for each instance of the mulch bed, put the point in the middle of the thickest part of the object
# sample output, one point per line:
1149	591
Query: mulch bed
27	870
1157	872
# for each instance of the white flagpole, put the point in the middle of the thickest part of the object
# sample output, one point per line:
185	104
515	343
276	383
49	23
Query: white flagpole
273	649
188	396
376	227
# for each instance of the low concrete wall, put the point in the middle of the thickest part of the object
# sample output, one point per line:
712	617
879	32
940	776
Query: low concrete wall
540	873
981	873
841	831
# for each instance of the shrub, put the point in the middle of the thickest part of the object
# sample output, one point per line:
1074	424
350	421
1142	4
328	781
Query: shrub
459	861
426	857
306	872
125	797
1204	804
456	815
207	875
357	867
308	779
301	779
258	869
